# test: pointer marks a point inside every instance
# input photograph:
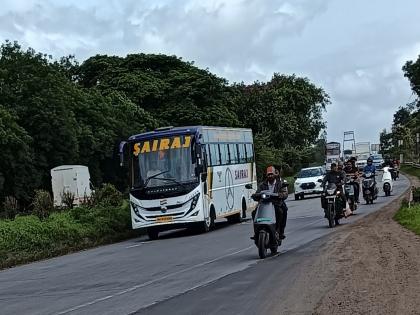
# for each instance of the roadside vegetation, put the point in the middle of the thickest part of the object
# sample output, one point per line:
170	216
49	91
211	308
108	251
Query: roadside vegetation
409	216
50	231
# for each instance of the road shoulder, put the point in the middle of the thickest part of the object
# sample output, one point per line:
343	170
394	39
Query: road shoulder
376	264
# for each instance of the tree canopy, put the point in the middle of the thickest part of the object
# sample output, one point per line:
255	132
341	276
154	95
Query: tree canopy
55	112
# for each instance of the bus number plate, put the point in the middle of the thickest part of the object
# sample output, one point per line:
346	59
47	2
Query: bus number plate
164	219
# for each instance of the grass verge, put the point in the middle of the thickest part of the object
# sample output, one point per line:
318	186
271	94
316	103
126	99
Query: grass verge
27	238
409	217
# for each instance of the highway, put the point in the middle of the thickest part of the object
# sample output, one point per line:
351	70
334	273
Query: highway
180	273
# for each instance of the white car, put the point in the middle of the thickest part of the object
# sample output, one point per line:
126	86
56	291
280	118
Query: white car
378	161
309	182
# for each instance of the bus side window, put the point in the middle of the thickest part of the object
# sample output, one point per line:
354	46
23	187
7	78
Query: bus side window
241	152
224	154
214	154
233	154
249	153
208	155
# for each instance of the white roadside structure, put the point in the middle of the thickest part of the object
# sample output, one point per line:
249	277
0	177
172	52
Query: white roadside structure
73	179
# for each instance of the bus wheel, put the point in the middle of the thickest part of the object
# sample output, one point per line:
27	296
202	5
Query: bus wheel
243	208
153	233
212	218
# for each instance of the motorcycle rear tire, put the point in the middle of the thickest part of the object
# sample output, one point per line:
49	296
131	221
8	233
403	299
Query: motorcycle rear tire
262	250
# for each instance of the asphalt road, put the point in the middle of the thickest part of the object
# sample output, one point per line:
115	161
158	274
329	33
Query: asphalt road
181	273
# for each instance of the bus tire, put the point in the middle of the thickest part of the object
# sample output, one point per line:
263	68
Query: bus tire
244	208
212	218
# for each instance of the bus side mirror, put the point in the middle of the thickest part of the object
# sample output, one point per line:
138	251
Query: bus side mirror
121	152
203	177
248	186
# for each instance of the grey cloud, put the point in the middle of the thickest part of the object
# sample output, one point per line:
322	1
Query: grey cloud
355	49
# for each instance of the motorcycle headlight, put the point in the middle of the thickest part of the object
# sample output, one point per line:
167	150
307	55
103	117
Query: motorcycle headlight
263	196
194	201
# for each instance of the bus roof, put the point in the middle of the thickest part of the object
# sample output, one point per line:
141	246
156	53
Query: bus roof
208	133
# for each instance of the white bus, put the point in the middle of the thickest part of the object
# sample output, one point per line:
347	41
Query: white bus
189	176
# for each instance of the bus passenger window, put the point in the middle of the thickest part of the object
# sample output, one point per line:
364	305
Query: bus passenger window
224	154
233	154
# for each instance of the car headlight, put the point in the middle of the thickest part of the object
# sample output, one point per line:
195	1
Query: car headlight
319	180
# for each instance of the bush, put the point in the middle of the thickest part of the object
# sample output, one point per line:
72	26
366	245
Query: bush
107	195
42	203
11	207
67	198
28	238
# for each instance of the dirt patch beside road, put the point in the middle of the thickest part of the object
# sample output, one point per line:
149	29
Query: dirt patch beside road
377	264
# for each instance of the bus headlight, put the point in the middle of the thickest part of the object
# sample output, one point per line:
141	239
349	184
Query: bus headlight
194	201
136	209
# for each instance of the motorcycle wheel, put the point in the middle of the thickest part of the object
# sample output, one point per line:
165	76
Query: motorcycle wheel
330	216
262	250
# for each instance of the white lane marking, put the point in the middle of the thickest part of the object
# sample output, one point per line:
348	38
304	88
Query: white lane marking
131	246
75	308
136	245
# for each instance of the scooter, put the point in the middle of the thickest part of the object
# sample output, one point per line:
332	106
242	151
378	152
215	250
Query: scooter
266	235
333	208
387	179
394	173
349	189
370	191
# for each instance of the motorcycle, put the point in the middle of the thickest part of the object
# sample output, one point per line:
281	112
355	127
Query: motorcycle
266	236
350	190
387	179
333	206
370	191
395	173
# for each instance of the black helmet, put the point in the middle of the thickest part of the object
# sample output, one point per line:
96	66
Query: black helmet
369	160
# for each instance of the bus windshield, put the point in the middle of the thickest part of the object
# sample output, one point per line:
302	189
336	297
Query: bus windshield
163	162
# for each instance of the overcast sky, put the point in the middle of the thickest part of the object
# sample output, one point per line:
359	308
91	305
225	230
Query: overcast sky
353	49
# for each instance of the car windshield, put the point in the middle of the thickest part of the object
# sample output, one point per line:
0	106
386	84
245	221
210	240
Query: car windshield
310	173
163	162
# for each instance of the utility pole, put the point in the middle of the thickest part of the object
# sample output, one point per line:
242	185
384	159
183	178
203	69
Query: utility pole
400	143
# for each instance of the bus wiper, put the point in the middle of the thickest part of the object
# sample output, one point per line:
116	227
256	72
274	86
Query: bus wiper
171	180
153	176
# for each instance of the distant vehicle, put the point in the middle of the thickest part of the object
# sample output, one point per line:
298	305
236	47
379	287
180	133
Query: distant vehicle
362	161
309	182
74	179
189	177
347	154
378	160
332	153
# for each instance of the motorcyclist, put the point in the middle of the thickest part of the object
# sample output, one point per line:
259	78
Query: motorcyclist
283	206
369	168
351	170
274	184
334	177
